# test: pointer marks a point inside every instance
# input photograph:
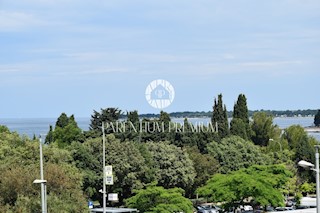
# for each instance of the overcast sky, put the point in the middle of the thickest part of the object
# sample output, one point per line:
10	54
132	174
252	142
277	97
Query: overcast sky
75	56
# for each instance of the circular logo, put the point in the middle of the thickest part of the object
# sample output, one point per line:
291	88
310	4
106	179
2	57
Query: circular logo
160	94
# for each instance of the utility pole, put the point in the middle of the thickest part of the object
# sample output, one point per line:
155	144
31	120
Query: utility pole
317	178
104	169
43	183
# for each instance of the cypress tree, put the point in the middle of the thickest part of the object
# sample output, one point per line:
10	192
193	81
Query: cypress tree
62	121
220	117
317	119
240	109
240	120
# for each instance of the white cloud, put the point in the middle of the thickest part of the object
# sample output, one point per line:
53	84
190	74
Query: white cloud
17	21
271	63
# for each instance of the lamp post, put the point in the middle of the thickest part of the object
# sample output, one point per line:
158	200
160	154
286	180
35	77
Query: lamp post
42	182
311	166
104	169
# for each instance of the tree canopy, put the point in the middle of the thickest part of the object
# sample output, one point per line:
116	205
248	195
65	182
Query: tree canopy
159	200
234	153
260	183
240	120
263	128
220	117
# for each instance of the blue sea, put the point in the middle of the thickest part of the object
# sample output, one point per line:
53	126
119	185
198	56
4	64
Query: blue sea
39	126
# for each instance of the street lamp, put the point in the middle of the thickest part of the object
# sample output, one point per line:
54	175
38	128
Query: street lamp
308	165
104	170
42	182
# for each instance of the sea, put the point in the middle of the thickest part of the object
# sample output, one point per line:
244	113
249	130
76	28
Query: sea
40	126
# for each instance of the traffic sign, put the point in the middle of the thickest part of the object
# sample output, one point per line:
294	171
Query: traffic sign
109	179
108	170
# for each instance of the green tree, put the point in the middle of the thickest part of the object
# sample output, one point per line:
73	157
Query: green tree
173	167
165	120
317	119
49	138
240	119
159	200
133	117
239	128
66	131
240	109
263	128
306	188
220	117
294	134
19	166
262	184
105	115
130	168
234	153
205	166
62	120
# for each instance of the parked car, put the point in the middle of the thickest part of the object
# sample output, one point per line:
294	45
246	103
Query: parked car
207	209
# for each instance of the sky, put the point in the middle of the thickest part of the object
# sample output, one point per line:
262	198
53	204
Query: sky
76	56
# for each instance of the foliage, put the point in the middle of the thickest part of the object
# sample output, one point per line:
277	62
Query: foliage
263	128
133	117
192	136
317	119
294	135
305	151
220	117
129	167
173	167
234	153
238	127
105	115
66	131
261	183
160	200
306	188
205	166
240	121
62	120
19	167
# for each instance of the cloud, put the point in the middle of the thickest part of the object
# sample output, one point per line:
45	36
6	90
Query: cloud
17	21
271	63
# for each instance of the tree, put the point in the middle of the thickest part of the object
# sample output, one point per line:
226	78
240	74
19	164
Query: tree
164	120
240	119
234	153
294	134
19	160
130	168
105	115
260	183
66	131
240	109
220	117
159	200
49	138
263	128
317	119
205	166
173	167
239	128
133	117
62	120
